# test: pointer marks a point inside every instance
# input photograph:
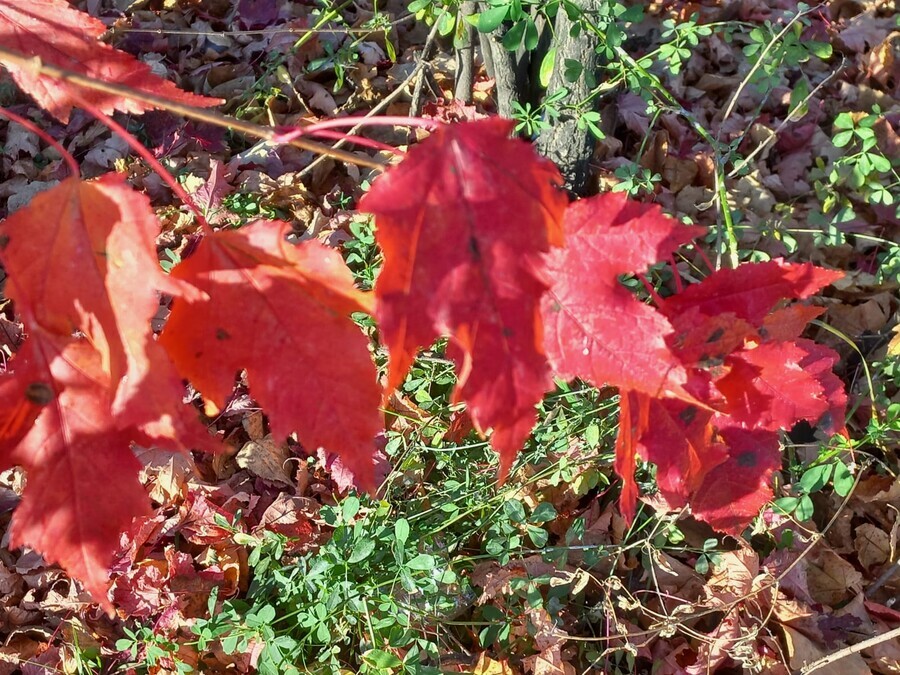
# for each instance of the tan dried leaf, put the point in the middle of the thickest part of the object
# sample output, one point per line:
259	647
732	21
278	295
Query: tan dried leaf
265	458
873	545
831	578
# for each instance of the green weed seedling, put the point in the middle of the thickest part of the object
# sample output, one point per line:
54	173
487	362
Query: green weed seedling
709	558
635	179
170	259
682	38
862	173
774	48
148	649
531	120
362	255
248	206
827	469
366	591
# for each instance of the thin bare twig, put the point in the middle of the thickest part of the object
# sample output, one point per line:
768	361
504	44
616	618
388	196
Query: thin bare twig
848	651
385	102
762	57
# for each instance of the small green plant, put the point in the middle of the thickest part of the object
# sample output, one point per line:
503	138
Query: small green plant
866	169
683	37
146	648
709	558
863	173
772	48
336	59
169	260
529	119
813	479
361	253
635	179
367	590
248	206
429	383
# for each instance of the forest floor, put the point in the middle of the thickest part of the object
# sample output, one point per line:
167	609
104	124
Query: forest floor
262	558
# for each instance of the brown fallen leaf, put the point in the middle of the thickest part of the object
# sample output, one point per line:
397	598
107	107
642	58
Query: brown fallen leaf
265	458
873	545
488	666
894	345
831	578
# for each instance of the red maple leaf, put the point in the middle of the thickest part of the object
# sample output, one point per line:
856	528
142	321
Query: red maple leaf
728	331
595	328
283	313
56	33
82	261
787	323
101	233
767	388
733	492
680	440
751	291
464	222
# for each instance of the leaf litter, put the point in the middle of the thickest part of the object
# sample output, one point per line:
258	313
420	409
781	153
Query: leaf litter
827	575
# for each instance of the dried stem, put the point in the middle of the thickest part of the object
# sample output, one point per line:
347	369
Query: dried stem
852	649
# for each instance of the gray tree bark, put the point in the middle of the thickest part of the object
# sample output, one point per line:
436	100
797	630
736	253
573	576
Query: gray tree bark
569	147
509	70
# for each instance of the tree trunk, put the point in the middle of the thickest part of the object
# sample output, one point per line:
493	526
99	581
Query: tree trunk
509	70
569	147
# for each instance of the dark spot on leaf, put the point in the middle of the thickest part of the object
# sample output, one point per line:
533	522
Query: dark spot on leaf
688	414
707	361
473	248
4	241
716	335
222	334
508	332
39	393
746	459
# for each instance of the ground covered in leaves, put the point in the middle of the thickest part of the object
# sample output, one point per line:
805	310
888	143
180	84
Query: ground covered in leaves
263	558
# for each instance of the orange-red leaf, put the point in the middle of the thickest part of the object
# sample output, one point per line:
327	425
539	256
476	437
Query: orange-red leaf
768	388
283	313
56	33
595	328
787	323
742	361
680	441
464	222
83	487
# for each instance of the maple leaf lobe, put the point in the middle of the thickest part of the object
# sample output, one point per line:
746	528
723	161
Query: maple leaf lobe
586	306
